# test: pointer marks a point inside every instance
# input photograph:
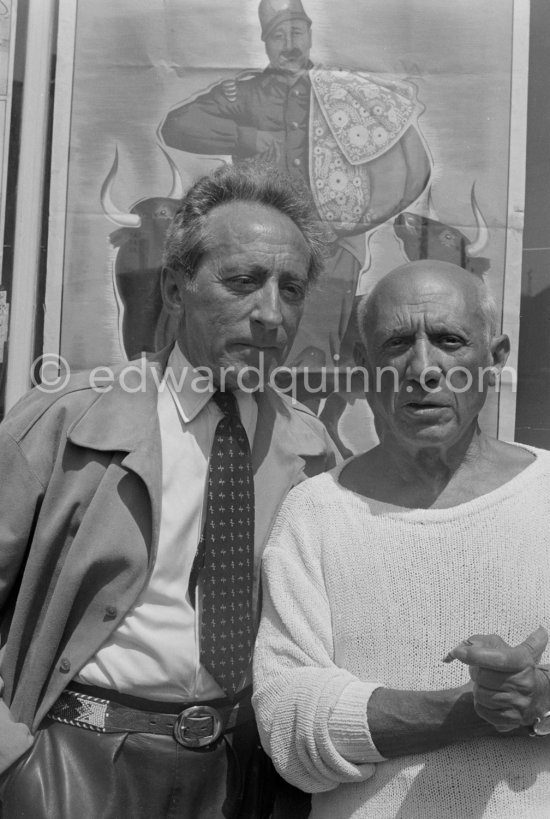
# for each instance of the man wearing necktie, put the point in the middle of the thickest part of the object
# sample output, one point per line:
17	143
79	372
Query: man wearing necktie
132	525
352	136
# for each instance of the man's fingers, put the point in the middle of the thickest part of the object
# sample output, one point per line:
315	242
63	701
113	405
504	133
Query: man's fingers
467	649
503	721
498	659
490	651
493	680
536	642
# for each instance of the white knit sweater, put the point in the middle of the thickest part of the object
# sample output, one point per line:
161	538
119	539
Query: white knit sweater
359	594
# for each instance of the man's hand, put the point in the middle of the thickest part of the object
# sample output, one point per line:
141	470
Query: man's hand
269	145
509	690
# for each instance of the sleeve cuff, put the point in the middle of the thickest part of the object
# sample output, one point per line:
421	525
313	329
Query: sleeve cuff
348	726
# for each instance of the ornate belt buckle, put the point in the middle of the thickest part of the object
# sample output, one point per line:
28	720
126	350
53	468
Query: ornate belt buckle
198	726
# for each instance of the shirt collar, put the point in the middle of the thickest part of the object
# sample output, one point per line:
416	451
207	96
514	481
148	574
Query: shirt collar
188	386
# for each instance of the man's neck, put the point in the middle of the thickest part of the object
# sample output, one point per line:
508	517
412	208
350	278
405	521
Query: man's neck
425	476
292	77
434	478
433	466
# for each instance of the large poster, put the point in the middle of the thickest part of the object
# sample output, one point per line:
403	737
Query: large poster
400	115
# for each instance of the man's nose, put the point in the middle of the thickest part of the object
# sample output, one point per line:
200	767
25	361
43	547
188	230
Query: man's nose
267	309
292	40
423	364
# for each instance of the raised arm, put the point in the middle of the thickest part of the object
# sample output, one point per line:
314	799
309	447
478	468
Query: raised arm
412	722
510	690
220	121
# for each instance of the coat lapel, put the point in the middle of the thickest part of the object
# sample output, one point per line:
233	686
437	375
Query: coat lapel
125	419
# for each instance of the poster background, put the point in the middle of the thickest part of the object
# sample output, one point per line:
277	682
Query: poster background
127	64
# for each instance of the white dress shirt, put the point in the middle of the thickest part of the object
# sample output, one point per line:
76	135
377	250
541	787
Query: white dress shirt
154	652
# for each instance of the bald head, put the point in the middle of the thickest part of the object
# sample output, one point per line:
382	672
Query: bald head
414	281
431	352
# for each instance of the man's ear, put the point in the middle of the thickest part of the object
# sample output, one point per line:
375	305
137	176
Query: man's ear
500	350
172	286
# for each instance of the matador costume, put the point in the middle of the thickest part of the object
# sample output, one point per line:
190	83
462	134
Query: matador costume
352	136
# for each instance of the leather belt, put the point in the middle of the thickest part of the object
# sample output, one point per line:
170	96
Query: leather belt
193	725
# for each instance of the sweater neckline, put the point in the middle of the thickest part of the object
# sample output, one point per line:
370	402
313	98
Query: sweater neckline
470	507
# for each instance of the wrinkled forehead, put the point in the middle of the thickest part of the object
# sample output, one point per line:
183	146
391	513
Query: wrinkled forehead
429	293
243	222
253	234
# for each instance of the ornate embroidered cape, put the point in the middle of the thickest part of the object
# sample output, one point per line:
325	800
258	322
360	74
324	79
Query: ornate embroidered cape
354	119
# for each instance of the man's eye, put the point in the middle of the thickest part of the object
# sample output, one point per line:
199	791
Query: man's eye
293	292
450	341
395	343
242	283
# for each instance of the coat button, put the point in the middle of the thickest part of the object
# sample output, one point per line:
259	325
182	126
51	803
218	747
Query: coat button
297	162
64	666
111	612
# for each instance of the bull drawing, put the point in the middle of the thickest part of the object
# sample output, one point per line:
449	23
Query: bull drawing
424	237
140	242
420	237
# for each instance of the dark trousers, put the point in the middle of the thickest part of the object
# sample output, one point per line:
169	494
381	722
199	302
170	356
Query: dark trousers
73	773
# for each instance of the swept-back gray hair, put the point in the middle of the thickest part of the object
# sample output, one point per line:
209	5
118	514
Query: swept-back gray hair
188	239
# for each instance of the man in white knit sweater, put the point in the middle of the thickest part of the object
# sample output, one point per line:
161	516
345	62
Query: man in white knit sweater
374	571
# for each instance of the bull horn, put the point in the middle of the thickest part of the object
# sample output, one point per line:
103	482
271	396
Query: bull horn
481	239
432	213
131	220
177	182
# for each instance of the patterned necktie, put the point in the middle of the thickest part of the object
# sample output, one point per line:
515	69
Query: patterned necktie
228	557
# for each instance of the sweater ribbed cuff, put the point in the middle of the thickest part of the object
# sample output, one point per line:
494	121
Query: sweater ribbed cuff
348	726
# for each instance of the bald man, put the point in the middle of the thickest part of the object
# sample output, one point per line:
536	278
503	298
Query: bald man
375	570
